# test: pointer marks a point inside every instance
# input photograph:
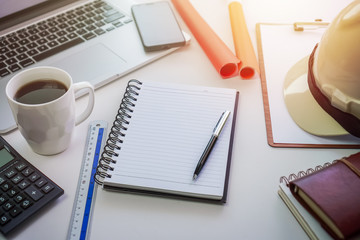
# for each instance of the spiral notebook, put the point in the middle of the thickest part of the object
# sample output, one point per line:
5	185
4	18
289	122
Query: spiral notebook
308	222
310	225
158	136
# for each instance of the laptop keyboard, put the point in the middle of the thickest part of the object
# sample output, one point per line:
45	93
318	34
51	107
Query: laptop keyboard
46	38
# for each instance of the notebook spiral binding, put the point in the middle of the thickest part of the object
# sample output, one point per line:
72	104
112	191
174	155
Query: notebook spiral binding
300	174
117	131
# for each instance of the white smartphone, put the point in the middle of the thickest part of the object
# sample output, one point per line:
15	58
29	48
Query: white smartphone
157	26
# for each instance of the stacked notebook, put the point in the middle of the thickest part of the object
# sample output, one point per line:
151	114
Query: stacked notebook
159	133
326	201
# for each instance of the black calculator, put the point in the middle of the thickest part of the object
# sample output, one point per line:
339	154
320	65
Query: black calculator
24	190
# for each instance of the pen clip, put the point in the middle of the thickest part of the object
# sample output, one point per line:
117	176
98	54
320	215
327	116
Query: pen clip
220	124
302	26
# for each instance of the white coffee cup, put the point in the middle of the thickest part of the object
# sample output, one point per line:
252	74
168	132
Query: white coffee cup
47	127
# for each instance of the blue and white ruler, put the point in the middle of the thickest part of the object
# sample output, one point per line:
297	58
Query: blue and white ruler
86	190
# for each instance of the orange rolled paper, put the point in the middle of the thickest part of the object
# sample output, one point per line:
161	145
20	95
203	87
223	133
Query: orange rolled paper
224	61
242	42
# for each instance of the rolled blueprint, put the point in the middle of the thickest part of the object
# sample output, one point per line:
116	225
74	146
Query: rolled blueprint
243	47
223	59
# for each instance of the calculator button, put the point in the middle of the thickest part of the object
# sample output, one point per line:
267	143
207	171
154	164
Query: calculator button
24	184
12	192
3	199
27	172
39	183
8	205
10	173
21	166
35	176
34	193
26	203
4	219
47	188
6	186
18	198
17	179
15	211
2	180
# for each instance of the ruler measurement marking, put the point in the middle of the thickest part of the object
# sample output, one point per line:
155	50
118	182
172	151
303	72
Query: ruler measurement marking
85	194
92	184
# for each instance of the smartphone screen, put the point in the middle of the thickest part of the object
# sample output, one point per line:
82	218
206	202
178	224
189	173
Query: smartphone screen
157	26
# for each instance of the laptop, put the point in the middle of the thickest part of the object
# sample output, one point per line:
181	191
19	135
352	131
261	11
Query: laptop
92	40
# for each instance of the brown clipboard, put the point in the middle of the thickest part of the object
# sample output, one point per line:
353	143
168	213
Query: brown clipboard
267	110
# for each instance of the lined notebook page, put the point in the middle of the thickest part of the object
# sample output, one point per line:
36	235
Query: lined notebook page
168	131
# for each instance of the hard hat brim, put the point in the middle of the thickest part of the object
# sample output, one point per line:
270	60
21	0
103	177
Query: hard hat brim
303	108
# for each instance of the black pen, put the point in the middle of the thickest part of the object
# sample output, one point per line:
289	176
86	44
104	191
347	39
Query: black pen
216	132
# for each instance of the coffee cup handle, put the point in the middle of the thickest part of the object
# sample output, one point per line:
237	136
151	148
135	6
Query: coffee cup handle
90	89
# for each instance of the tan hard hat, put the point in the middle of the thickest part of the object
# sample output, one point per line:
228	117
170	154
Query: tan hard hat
322	92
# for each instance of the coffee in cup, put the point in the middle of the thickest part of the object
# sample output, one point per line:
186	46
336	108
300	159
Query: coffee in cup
40	91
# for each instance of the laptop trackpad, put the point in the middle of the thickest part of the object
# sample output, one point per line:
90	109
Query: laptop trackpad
91	64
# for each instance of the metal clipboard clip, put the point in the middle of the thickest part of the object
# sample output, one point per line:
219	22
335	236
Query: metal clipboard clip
302	26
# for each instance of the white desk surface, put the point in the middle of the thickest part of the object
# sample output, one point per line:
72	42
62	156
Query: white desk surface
253	210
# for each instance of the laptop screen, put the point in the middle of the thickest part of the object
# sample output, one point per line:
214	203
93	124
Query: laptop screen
16	11
9	7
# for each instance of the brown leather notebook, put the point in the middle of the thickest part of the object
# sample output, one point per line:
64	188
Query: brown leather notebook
332	196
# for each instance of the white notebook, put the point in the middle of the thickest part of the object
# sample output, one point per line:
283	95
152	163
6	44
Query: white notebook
312	227
158	136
